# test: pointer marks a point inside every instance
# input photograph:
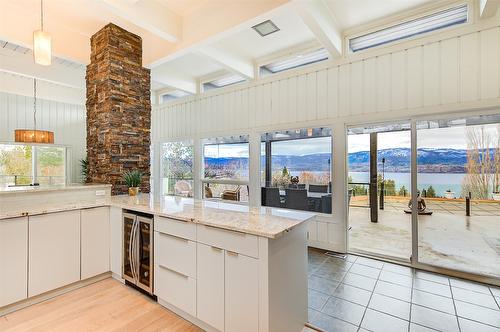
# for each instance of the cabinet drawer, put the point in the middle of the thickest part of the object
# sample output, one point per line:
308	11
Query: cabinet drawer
176	289
175	253
184	229
242	243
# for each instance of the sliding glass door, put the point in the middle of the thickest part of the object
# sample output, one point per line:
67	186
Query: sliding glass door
459	180
452	166
379	163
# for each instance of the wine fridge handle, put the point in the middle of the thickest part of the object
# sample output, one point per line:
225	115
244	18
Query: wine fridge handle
137	263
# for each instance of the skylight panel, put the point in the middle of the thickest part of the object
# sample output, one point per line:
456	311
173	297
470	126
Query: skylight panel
436	21
296	61
172	95
223	81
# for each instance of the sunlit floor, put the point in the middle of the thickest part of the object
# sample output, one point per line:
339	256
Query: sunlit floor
449	240
360	294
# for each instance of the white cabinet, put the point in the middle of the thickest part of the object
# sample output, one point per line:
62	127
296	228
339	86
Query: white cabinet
210	285
176	288
94	241
175	253
54	251
241	293
13	260
116	240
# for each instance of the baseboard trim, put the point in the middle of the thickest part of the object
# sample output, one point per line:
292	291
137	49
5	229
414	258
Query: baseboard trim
187	316
51	294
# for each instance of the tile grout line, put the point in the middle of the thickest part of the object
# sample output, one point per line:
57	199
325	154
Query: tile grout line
494	298
454	305
370	299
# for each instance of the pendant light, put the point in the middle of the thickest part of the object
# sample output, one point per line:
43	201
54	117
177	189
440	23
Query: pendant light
42	43
34	135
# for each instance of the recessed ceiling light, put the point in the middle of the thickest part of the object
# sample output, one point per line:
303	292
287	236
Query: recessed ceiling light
265	28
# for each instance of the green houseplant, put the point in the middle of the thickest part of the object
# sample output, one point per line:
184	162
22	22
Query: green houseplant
133	181
84	169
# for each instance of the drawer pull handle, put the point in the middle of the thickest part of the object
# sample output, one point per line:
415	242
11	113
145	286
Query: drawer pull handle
178	273
216	249
232	253
177	219
174	237
226	230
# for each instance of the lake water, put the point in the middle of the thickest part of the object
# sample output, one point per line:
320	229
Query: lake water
439	181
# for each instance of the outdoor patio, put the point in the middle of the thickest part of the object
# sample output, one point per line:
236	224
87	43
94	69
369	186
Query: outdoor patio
447	238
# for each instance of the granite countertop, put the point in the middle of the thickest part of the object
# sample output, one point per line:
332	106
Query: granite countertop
71	186
263	221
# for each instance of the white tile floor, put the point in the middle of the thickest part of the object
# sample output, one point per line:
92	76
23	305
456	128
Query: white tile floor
361	294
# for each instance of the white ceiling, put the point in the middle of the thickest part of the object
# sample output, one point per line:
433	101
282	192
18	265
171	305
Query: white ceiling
352	13
185	40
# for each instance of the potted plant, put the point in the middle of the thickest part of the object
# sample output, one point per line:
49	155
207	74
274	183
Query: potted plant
133	180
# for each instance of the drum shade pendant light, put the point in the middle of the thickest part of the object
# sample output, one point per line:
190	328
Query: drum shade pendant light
34	135
42	43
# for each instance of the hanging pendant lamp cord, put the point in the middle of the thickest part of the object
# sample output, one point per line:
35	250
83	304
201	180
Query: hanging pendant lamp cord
41	14
34	103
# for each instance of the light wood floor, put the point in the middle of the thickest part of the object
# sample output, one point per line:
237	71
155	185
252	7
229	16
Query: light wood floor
104	306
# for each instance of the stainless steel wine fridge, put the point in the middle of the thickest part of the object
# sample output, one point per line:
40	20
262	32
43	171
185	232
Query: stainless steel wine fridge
137	265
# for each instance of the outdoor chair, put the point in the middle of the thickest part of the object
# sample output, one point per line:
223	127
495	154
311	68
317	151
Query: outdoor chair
318	188
272	197
296	199
231	194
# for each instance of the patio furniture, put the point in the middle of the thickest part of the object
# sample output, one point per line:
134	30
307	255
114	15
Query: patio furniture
272	197
297	186
208	192
182	188
326	203
421	206
318	188
296	199
231	194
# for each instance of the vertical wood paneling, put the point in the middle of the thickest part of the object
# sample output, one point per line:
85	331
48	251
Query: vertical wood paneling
369	98
490	64
301	98
383	83
311	98
333	92
322	86
431	74
469	65
292	99
283	109
344	94
67	121
356	88
398	80
449	71
414	77
275	102
458	69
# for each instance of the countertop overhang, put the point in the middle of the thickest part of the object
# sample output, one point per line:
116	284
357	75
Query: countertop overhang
261	221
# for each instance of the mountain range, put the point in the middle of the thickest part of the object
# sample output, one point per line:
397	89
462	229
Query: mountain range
396	160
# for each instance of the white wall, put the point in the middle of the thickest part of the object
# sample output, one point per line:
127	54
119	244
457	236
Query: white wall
453	71
67	121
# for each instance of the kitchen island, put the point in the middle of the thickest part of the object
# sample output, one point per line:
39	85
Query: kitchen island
224	267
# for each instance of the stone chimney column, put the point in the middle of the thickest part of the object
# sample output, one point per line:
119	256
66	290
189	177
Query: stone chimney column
118	109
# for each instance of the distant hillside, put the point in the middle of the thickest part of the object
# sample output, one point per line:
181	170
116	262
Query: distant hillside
396	160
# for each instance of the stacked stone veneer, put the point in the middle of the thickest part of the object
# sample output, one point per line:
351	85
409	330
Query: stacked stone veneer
118	109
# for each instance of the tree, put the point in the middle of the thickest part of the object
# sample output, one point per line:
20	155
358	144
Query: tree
17	162
482	162
431	192
402	191
178	159
389	186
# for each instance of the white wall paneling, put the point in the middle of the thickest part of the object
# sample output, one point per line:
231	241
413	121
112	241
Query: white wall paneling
455	71
67	121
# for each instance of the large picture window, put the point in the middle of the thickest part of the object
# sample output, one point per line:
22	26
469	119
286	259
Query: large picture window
22	164
297	169
177	168
226	170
